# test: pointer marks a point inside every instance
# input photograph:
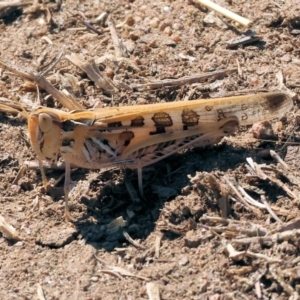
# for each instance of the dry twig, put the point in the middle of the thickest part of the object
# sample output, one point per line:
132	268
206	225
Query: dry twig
157	245
183	80
91	27
8	231
263	205
279	159
133	242
152	291
268	208
93	72
40	292
225	12
290	235
119	270
276	273
43	83
238	194
263	176
120	49
238	255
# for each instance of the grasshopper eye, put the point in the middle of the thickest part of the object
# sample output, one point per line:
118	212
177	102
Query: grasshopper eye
45	122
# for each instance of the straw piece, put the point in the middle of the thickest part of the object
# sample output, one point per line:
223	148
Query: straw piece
225	12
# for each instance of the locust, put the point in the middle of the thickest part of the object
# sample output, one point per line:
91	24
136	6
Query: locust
138	136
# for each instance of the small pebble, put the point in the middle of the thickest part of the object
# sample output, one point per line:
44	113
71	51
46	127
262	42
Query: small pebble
130	45
163	25
162	53
176	38
138	19
183	261
134	35
263	130
130	21
168	30
94	278
152	44
154	22
287	48
254	80
18	244
177	26
143	8
167	9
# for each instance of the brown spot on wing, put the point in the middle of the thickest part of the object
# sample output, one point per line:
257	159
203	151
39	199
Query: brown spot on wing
138	121
162	119
190	117
209	107
126	136
274	101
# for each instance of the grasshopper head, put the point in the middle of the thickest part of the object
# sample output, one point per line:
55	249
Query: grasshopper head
44	126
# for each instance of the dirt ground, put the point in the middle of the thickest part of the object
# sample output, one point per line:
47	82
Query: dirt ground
174	241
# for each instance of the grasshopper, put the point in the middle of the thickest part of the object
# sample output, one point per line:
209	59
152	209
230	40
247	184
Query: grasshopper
137	136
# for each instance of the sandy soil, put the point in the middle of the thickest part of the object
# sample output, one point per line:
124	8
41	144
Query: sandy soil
181	245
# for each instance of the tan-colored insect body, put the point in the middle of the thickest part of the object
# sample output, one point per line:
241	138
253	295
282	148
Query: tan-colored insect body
137	136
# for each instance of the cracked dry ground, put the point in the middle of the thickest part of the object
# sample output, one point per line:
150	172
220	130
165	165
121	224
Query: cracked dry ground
181	245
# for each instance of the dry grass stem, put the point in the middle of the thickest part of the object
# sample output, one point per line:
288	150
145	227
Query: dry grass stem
279	159
119	270
290	235
258	290
275	271
152	290
8	231
225	12
238	194
20	174
100	79
268	208
44	84
258	171
183	80
249	199
157	245
133	242
120	49
40	292
239	255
